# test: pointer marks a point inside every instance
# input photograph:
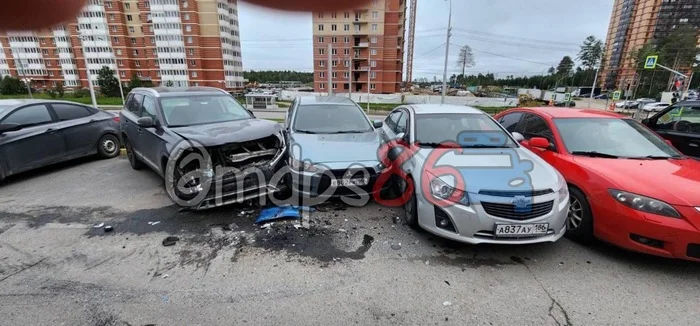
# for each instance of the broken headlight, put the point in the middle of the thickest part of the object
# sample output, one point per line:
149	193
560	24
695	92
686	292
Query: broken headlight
302	165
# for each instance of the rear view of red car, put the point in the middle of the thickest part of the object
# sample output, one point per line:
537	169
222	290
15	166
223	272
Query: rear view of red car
628	186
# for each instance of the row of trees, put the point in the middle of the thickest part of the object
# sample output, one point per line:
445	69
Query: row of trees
273	76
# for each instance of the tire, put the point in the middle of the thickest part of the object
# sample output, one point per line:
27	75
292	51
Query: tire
108	146
579	221
133	161
410	207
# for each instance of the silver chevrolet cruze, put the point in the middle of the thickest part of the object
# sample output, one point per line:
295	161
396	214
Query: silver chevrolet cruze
466	178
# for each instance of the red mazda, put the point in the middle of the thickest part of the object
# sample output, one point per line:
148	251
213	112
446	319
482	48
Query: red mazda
627	185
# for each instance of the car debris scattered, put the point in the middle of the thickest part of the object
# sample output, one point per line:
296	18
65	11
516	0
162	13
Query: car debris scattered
396	246
170	241
281	213
109	228
154	223
97	226
447	303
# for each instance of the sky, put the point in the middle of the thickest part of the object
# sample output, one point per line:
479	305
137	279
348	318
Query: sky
508	37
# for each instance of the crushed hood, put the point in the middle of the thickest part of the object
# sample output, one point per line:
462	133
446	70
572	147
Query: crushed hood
673	181
333	148
216	134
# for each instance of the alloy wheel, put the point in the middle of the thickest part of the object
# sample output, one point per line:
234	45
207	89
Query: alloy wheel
575	215
109	146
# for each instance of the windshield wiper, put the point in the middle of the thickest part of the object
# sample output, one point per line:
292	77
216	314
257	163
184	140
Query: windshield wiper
594	154
485	146
351	132
656	157
306	131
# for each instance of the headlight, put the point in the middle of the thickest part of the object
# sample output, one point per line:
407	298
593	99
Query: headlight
644	204
442	190
302	165
563	188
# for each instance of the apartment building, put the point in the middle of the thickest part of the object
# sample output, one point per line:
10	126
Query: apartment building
366	48
168	42
634	23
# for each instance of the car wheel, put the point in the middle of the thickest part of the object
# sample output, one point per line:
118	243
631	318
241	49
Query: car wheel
108	146
410	206
579	221
133	161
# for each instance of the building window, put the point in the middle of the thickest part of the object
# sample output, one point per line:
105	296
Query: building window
123	74
189	39
131	29
373	63
346	63
191	51
373	74
188	28
334	27
45	51
187	17
334	85
375	2
373	40
111	16
127	6
129	17
347	39
321	51
323	86
137	63
185	4
136	52
334	39
119	52
147	4
375	15
334	51
120	63
373	52
334	63
373	86
346	27
193	63
114	28
322	63
133	40
346	74
334	15
335	74
320	27
321	74
346	51
374	27
194	74
347	15
108	4
320	40
48	63
683	20
115	40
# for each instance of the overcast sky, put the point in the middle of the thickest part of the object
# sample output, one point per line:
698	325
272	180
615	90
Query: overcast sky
539	33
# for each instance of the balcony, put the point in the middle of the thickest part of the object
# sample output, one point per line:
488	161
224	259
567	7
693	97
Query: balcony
361	45
358	58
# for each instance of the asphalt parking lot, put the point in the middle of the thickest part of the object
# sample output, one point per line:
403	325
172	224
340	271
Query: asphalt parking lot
352	266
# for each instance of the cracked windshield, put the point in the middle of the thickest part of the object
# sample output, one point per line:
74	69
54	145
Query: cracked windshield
352	162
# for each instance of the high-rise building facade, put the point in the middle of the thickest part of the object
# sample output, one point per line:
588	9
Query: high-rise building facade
168	42
635	23
366	48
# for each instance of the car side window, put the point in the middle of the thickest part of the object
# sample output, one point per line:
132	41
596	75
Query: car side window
67	112
510	121
149	107
681	119
30	116
535	126
134	104
402	124
290	112
392	120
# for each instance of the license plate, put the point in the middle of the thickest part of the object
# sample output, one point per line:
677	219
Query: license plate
520	230
349	182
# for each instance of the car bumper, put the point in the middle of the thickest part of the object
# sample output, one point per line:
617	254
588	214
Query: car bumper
316	186
649	233
474	225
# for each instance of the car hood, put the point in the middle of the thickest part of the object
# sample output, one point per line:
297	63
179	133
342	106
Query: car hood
516	169
673	181
334	148
216	134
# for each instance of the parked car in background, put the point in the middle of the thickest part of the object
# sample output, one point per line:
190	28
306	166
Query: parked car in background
679	124
654	106
569	104
37	133
601	97
332	148
626	104
156	121
508	195
644	101
627	185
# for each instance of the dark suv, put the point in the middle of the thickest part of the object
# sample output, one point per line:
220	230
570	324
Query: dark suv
210	150
680	124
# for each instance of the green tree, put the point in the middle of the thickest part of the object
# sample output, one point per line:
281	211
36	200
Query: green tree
566	65
59	89
109	85
12	86
273	76
591	52
135	82
551	70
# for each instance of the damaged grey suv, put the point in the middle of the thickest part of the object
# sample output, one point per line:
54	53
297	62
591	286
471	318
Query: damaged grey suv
210	150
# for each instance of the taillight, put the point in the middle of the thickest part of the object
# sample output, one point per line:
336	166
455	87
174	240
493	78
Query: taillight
116	119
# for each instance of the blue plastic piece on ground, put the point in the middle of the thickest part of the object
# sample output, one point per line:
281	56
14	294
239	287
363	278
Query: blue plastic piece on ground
279	213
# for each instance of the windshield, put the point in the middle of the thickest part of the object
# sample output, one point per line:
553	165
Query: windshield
3	108
330	119
467	129
616	137
201	109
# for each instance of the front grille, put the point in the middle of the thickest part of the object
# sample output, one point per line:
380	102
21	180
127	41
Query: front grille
693	250
506	193
510	212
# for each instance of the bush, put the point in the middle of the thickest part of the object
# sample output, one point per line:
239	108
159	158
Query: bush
83	92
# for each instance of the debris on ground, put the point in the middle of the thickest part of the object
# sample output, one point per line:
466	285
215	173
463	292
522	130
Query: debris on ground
397	219
396	246
154	223
447	303
165	275
97	226
267	226
170	241
109	228
280	212
446	282
343	230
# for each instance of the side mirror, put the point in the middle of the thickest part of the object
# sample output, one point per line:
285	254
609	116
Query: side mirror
377	124
7	127
401	135
539	142
145	122
518	136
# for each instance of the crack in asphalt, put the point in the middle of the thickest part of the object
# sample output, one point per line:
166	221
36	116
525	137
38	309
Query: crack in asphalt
26	267
554	303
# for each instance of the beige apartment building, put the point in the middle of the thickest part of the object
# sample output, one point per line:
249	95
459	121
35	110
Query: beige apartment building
169	42
366	48
634	23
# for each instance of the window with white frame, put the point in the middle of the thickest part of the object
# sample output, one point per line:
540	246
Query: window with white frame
186	16
334	51
320	27
334	85
322	63
334	63
322	86
346	27
373	74
321	51
373	63
320	40
373	86
188	28
322	74
373	52
346	51
334	39
375	14
375	27
194	74
373	40
346	75
334	27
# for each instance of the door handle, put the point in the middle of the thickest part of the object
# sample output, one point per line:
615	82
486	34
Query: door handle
50	131
693	145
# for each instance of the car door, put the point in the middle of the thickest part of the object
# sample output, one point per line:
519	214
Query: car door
510	121
129	116
388	130
150	140
680	124
79	128
532	125
38	143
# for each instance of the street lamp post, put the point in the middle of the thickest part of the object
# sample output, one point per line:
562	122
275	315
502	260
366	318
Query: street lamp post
87	71
595	81
447	54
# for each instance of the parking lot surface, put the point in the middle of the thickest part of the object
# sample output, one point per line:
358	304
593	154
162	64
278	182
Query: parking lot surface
354	265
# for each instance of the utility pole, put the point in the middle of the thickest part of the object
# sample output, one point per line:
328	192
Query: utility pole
369	76
87	71
25	79
330	70
447	54
350	78
595	81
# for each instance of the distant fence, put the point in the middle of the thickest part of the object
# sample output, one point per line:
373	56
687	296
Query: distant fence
412	99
